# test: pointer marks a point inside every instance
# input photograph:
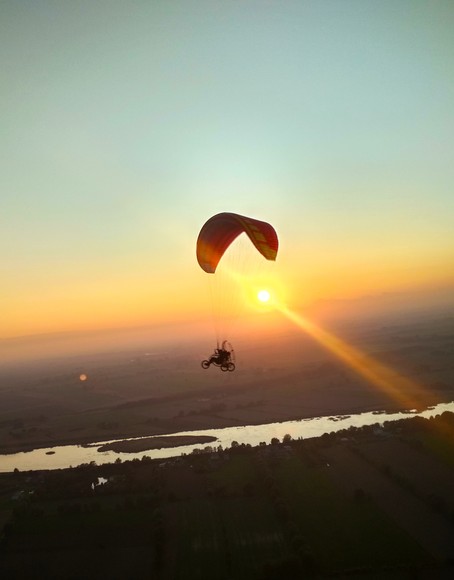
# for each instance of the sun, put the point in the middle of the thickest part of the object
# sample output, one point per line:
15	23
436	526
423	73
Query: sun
263	296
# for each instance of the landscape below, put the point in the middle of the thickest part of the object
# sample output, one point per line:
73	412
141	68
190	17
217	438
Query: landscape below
363	503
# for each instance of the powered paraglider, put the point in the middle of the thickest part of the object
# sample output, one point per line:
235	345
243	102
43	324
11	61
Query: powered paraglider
215	238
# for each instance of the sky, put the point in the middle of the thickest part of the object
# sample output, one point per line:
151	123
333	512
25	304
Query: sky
125	125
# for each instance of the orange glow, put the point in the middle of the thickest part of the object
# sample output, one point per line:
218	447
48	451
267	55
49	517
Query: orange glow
129	295
94	305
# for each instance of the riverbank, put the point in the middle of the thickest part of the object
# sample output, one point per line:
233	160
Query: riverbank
251	435
90	435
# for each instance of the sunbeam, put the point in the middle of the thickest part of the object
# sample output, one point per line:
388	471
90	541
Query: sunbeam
402	390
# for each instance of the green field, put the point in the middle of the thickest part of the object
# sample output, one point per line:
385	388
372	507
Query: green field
440	445
229	538
341	532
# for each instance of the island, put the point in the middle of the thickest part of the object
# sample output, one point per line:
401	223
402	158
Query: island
147	443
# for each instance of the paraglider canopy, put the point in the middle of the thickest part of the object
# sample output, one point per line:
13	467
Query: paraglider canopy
222	229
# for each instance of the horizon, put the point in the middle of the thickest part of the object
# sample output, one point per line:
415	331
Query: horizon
365	311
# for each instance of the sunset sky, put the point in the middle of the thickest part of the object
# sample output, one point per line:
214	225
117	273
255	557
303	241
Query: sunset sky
125	125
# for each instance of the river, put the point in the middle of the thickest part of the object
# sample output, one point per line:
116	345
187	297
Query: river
73	455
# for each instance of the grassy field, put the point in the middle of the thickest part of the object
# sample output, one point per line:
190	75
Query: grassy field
83	541
342	532
440	445
228	538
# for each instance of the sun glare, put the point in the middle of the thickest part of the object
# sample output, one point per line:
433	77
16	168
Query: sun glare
405	391
263	296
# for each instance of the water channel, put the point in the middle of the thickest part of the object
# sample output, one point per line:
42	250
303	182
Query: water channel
74	455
